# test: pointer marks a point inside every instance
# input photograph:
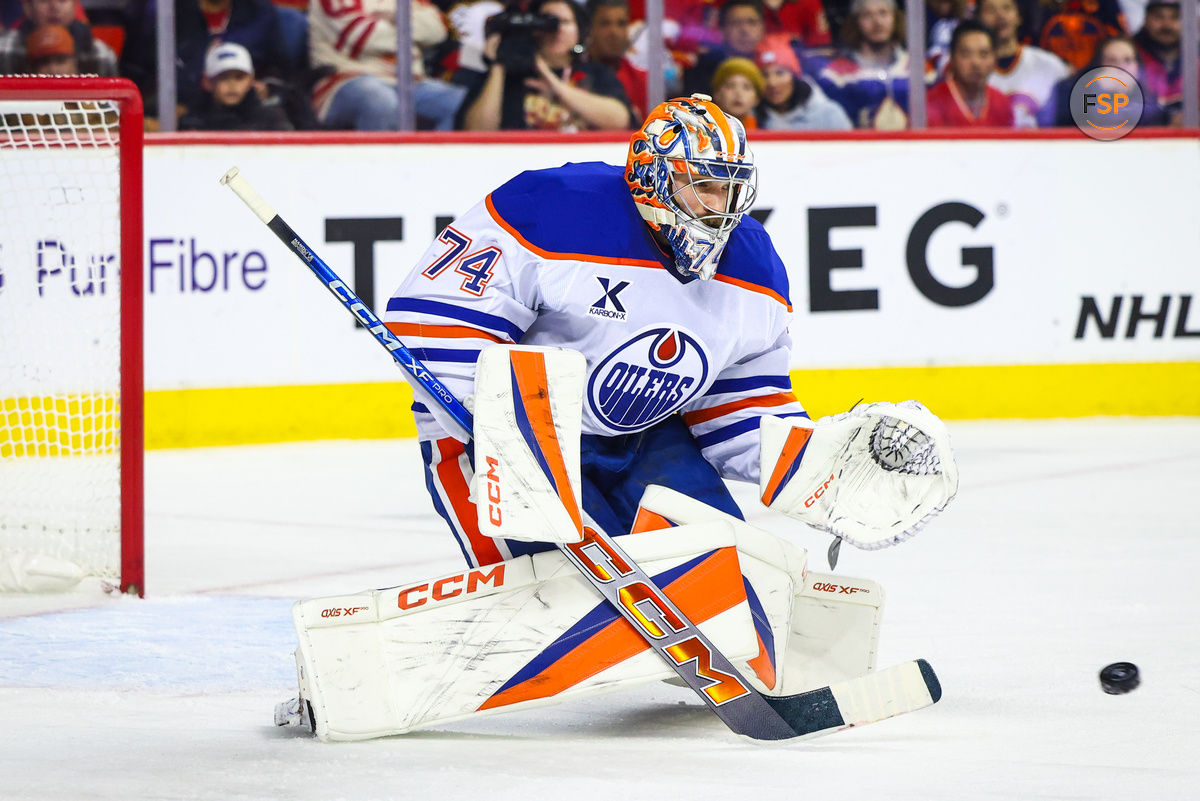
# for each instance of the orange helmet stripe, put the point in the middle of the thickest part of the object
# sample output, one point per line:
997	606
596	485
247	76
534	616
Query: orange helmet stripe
726	131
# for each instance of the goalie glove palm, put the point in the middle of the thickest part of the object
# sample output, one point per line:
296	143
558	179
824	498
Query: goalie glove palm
872	476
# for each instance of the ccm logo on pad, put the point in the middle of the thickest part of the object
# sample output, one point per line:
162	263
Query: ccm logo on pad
650	610
811	499
451	586
493	491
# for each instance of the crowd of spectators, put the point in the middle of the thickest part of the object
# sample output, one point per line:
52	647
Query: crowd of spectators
563	65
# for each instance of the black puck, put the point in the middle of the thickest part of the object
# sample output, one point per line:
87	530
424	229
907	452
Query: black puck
1119	678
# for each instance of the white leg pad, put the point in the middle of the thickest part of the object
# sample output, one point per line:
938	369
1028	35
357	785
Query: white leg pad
824	628
834	631
521	633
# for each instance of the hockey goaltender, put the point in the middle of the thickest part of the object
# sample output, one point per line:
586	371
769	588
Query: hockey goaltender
620	336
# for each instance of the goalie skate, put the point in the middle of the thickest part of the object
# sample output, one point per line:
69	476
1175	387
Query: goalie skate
295	711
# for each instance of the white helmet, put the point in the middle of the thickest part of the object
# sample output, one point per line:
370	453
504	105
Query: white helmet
688	147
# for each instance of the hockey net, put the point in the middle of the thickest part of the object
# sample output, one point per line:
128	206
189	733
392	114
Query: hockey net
70	333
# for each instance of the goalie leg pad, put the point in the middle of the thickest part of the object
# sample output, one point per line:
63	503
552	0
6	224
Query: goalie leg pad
813	629
834	631
520	633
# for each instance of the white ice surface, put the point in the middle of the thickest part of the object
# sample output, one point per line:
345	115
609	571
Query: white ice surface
1071	545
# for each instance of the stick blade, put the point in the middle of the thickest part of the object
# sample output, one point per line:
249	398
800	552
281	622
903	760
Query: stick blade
876	696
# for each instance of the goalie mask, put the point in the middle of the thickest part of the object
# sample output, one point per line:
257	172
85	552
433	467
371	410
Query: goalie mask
692	177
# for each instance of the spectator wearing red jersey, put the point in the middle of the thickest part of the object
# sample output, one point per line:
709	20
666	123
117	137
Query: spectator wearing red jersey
690	26
803	19
608	44
964	99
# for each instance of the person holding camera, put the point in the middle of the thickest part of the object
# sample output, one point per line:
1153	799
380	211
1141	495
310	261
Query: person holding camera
536	79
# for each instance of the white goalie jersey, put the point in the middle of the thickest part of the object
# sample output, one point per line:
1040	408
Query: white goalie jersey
1029	81
561	258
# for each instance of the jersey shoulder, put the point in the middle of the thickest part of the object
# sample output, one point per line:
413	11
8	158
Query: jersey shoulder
750	261
572	211
585	212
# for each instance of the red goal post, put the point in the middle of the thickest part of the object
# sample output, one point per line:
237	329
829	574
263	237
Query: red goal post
71	272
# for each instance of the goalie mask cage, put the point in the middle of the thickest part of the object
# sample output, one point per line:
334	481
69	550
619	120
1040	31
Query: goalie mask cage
70	333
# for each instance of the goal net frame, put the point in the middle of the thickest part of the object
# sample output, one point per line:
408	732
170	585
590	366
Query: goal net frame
128	143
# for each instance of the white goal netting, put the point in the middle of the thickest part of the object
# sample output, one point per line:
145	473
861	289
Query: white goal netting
60	343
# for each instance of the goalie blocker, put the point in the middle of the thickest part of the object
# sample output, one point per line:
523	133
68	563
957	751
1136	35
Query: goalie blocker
531	631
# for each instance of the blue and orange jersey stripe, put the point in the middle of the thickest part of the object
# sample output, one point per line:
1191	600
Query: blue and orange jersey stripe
624	262
752	287
457	314
442	331
713	412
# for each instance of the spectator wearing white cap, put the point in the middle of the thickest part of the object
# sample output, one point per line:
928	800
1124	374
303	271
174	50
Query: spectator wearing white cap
200	25
790	101
231	101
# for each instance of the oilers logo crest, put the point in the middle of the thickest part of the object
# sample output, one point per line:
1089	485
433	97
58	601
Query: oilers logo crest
647	378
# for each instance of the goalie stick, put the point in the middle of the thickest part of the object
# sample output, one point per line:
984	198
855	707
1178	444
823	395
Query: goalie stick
875	696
